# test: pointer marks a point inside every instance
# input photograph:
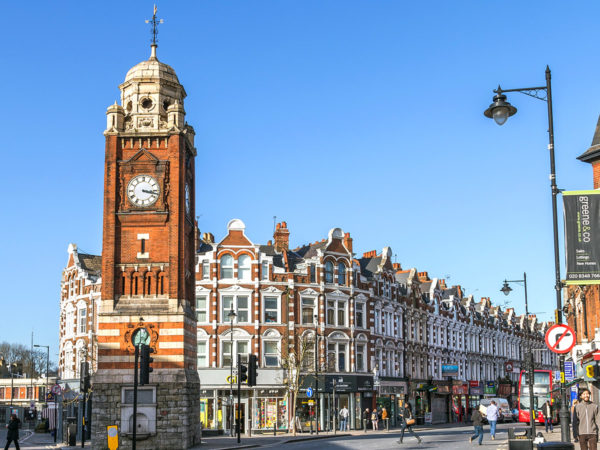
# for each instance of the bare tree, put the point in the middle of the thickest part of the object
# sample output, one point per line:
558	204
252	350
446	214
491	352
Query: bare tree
32	363
296	359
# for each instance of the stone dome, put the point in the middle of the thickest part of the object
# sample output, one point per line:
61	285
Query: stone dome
152	69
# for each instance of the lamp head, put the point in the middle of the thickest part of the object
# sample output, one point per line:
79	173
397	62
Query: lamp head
506	288
500	110
231	314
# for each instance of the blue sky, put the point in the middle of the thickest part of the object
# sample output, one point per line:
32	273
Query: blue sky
364	115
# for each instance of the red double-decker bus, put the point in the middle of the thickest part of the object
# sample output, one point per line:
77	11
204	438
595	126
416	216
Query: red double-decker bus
542	391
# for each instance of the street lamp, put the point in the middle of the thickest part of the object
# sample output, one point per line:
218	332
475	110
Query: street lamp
500	110
231	316
317	372
47	347
506	289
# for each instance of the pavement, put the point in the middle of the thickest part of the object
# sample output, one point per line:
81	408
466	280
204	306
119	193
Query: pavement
445	436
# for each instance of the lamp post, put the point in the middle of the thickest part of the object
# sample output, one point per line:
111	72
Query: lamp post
47	347
506	289
317	372
231	316
500	110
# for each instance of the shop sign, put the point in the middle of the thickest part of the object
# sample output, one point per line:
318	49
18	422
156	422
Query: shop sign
474	383
342	383
207	392
490	387
443	389
476	390
364	383
449	370
461	389
504	390
428	417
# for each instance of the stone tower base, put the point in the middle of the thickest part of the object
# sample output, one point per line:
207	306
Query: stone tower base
168	409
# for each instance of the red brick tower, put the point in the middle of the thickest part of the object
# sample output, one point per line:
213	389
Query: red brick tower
148	264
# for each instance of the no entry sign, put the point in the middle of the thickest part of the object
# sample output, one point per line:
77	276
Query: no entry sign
560	338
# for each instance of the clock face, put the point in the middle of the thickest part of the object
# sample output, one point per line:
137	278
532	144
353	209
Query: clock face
187	198
143	190
141	336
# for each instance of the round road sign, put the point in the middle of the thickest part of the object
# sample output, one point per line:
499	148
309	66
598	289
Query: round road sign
56	389
309	392
508	367
560	338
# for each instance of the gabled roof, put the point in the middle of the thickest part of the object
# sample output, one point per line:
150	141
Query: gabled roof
90	263
592	153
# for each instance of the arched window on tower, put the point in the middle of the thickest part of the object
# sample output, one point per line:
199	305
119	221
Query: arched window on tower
244	267
227	266
328	272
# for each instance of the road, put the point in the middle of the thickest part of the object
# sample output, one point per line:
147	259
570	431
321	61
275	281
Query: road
456	438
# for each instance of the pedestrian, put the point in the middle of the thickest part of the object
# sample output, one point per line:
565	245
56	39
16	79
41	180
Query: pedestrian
588	420
492	417
547	412
375	420
13	432
477	419
408	420
366	415
384	417
344	418
574	422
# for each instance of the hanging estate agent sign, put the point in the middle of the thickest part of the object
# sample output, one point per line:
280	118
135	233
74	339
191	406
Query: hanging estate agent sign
582	236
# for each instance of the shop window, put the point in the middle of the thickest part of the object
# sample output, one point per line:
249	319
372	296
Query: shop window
271	309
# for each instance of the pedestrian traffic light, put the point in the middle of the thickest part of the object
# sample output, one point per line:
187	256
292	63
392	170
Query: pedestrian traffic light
145	361
242	372
84	376
252	369
592	372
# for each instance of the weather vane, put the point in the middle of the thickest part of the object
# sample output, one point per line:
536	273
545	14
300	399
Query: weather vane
155	22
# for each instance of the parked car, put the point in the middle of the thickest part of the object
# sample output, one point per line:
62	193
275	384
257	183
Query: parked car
506	414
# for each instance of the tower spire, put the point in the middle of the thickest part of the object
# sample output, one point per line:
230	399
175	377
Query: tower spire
154	31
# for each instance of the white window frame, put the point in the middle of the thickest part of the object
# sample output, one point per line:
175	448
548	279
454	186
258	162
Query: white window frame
223	267
360	307
278	308
314	309
205	268
337	302
82	318
363	345
206	308
69	322
244	271
337	343
236	308
226	340
275	355
204	354
264	270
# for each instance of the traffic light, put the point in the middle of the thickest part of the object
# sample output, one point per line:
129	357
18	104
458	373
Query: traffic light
84	376
252	369
145	360
242	372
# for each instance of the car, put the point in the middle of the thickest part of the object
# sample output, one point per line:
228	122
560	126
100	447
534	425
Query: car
506	413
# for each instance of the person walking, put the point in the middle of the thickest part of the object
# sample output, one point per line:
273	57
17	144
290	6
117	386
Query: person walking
375	420
13	432
492	417
366	414
547	412
574	422
588	420
477	419
408	420
344	418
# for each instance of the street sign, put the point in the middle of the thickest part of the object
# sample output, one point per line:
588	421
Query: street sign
560	338
56	389
508	366
311	402
49	397
113	437
309	392
569	370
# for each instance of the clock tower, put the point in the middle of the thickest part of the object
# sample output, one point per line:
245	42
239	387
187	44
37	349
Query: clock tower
148	264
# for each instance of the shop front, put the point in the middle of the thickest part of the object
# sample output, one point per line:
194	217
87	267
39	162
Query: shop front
354	392
270	410
391	391
460	401
420	399
440	401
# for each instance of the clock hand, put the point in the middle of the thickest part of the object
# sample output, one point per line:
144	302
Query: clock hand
149	192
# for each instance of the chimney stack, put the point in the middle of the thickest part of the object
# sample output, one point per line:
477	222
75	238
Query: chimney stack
348	242
282	237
